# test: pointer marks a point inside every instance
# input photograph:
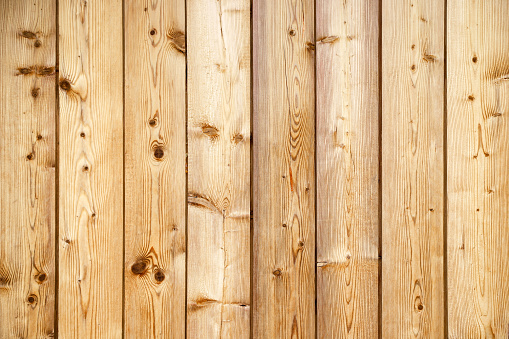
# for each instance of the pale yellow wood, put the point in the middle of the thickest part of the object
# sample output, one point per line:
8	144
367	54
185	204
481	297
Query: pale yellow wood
347	168
283	169
155	177
412	168
218	304
27	168
90	169
478	159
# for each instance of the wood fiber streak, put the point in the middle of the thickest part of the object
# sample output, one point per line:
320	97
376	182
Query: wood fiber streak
478	158
155	177
219	136
412	168
90	169
27	168
347	168
283	169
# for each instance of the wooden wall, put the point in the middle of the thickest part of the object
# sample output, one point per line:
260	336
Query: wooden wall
254	168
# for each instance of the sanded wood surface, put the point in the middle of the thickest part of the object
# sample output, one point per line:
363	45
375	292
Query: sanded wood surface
90	169
155	177
412	169
283	169
254	169
218	304
27	168
478	158
347	168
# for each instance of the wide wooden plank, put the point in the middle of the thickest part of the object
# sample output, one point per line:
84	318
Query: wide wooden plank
283	169
27	168
347	169
412	168
478	158
219	135
155	175
90	169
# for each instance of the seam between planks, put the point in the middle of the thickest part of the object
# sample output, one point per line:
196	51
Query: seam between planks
380	225
123	169
57	171
186	213
446	298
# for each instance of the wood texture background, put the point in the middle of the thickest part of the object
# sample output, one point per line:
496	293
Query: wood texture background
254	169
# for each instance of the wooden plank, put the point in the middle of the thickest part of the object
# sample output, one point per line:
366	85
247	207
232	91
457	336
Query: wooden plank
347	168
27	168
90	169
283	169
478	157
155	177
412	168
219	168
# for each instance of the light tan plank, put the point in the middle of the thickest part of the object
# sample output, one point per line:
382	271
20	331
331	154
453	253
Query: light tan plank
219	168
412	168
90	169
283	169
27	168
347	169
478	158
155	190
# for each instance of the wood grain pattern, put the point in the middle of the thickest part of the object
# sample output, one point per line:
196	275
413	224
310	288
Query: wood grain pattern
283	169
412	168
478	158
27	168
347	168
155	190
90	169
219	168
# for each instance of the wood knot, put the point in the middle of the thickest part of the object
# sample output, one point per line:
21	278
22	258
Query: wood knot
159	276
152	122
177	40
41	278
301	243
35	92
277	272
237	137
37	43
25	70
471	98
413	67
85	168
31	156
211	131
38	137
153	31
158	153
139	267
65	85
32	299
82	134
28	35
292	32
474	59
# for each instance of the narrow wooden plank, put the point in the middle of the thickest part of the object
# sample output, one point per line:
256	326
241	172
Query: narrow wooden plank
283	169
412	168
155	190
219	137
478	158
90	169
27	168
347	168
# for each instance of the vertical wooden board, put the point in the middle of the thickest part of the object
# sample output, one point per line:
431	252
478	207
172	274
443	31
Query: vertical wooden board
155	177
218	168
478	158
283	169
90	169
347	168
27	168
412	168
